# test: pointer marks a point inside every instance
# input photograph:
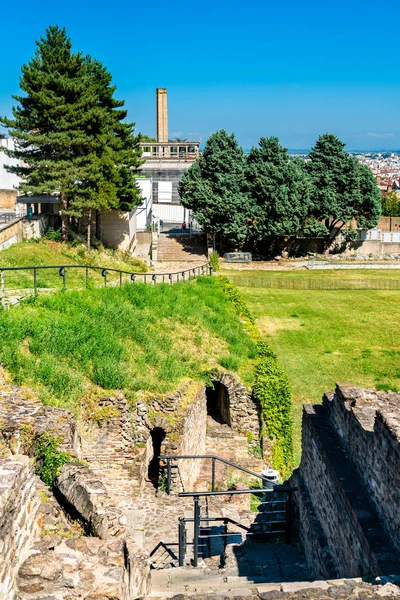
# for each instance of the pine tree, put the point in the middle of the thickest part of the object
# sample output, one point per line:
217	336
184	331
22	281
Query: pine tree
342	190
69	133
279	188
215	189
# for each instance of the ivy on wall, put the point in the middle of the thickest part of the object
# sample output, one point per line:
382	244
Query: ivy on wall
271	388
272	391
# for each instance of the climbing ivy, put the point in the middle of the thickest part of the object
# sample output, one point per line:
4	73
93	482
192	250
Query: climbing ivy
236	298
272	391
271	388
49	459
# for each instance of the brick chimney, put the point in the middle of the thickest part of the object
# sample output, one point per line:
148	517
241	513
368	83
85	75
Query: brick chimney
162	115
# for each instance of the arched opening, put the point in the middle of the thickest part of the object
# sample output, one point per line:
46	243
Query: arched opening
157	437
218	403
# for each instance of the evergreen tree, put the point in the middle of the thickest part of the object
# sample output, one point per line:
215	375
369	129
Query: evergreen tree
390	205
214	188
69	133
342	190
280	190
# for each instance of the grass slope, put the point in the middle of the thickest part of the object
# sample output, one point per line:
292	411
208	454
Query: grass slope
139	338
325	336
46	252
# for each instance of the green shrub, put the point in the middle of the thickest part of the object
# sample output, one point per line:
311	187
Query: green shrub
214	260
54	235
236	298
49	459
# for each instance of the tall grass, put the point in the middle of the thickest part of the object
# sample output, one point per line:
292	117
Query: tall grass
138	338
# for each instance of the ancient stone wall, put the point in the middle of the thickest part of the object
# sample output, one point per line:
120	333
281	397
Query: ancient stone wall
347	544
311	534
368	423
19	519
243	411
23	418
191	440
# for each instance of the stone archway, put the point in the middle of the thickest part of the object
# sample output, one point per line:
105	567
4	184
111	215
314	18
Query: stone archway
157	437
218	403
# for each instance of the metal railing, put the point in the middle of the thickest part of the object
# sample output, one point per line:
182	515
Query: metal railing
202	538
7	218
214	459
322	283
50	278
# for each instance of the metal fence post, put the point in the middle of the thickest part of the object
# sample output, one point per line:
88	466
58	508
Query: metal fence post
87	277
288	519
120	278
182	541
2	282
213	475
153	277
104	275
196	532
168	476
34	281
225	534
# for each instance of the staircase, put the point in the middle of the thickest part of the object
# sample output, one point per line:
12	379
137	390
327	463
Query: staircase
356	493
181	247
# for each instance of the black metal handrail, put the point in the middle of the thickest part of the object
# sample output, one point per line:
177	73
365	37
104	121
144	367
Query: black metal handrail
198	519
170	457
7	217
153	278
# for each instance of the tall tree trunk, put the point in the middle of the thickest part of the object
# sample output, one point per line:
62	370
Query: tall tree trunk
89	228
64	218
97	234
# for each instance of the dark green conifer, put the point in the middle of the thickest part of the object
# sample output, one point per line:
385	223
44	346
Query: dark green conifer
69	132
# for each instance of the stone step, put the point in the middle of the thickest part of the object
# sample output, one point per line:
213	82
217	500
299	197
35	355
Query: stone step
356	493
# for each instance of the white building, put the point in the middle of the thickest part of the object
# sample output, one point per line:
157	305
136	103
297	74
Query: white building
8	181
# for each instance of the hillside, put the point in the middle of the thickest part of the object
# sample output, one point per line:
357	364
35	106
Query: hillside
71	346
45	252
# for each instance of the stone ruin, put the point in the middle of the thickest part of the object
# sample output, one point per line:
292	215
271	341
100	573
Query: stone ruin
347	508
85	541
77	542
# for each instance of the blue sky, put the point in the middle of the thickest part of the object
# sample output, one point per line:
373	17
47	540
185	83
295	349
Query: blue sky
291	69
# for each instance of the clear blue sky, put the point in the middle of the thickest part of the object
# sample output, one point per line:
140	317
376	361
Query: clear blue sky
265	67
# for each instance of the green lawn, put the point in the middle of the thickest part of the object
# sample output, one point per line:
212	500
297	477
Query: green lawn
324	336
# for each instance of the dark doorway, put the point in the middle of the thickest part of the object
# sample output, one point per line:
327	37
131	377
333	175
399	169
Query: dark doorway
157	436
218	403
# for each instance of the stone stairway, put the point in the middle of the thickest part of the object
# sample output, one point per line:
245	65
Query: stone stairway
356	493
181	247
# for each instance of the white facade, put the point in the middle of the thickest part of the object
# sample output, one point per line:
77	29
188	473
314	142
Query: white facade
8	181
143	212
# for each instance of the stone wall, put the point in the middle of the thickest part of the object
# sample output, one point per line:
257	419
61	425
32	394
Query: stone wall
347	544
11	234
83	490
19	519
23	418
85	568
8	199
191	439
311	534
243	411
368	423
